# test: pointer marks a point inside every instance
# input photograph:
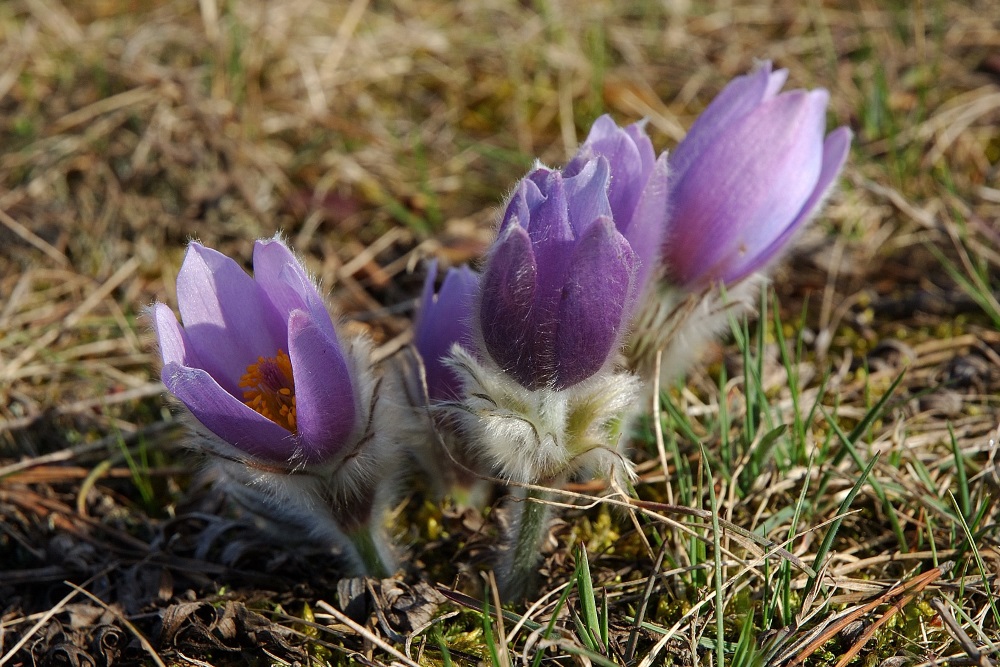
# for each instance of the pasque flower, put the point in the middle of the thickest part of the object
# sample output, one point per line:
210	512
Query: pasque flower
444	319
285	407
573	252
751	171
542	390
258	361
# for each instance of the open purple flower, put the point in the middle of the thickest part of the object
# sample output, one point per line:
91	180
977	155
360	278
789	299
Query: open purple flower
444	319
258	361
751	171
560	282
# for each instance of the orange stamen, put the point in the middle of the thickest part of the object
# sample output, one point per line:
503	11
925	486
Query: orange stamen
270	389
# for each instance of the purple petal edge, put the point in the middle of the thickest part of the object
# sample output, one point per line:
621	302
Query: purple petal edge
227	417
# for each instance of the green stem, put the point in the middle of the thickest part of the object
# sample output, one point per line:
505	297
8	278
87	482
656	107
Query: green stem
371	554
520	559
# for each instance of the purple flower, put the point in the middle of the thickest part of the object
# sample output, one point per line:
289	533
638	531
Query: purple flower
560	282
444	319
750	172
258	361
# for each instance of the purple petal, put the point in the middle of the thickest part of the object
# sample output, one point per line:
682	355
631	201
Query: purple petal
737	100
552	237
587	195
506	313
630	157
226	416
746	189
525	199
287	284
174	344
548	221
835	151
643	144
324	392
597	300
646	230
603	129
442	321
228	319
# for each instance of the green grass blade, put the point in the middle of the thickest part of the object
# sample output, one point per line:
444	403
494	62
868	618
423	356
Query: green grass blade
831	533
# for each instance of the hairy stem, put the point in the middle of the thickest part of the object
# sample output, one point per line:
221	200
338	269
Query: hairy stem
371	554
519	562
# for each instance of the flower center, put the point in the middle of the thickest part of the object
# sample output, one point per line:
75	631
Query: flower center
268	388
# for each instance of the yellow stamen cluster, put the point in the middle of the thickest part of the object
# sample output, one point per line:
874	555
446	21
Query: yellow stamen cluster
268	388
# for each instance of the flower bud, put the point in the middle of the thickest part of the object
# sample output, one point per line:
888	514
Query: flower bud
752	169
560	282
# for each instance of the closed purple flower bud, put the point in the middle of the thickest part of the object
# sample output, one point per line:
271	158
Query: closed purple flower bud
444	319
257	360
751	171
560	282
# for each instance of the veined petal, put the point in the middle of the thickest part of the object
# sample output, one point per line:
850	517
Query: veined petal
835	150
506	313
746	188
228	319
226	416
738	99
285	282
597	300
324	393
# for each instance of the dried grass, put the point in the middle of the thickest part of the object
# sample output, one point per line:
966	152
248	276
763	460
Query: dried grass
373	134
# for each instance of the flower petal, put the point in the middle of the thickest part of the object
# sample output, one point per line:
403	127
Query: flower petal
597	300
630	157
587	195
552	238
643	144
835	150
174	344
526	197
442	321
507	314
737	100
646	230
285	282
228	319
324	393
226	416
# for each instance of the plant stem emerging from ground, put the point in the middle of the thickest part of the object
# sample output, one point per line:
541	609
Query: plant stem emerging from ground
371	553
524	544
